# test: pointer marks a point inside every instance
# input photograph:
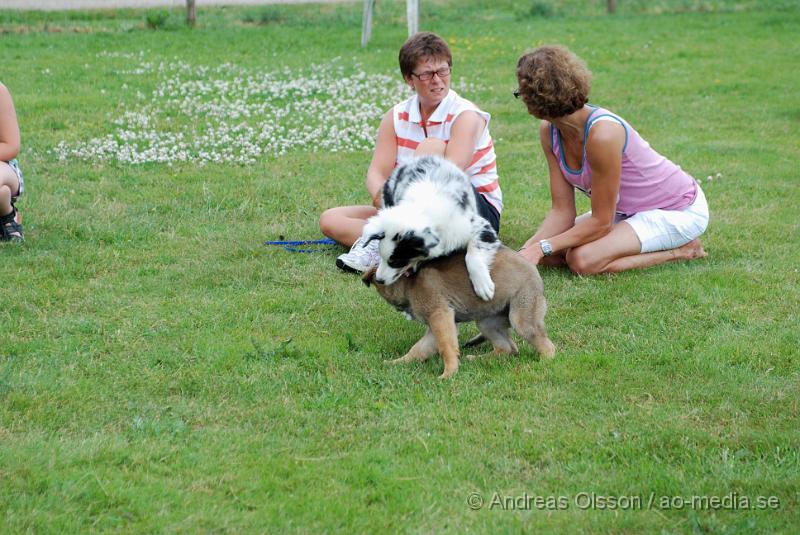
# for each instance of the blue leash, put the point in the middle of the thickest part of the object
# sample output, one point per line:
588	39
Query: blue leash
292	245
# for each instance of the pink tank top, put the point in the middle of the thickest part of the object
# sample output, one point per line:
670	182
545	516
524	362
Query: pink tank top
648	180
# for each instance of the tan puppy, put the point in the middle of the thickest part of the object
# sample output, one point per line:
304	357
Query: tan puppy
441	294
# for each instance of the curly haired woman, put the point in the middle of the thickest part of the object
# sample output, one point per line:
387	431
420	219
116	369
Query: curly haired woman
645	210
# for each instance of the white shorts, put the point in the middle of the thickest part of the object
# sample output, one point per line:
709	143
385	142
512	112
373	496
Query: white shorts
659	230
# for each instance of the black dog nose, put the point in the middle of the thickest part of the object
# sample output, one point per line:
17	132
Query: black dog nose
379	280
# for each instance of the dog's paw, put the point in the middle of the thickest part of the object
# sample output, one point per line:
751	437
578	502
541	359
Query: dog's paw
484	288
447	374
546	349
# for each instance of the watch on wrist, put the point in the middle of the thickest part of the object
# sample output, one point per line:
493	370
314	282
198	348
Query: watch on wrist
547	249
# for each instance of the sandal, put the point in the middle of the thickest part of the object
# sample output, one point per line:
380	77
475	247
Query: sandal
10	228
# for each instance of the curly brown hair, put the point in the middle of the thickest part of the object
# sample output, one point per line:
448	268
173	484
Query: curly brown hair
423	45
553	82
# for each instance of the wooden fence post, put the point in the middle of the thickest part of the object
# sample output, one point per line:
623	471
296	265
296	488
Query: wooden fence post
366	22
612	7
412	14
191	13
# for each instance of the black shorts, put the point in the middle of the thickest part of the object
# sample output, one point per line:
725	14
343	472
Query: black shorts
487	211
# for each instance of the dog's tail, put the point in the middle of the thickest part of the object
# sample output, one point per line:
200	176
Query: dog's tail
476	340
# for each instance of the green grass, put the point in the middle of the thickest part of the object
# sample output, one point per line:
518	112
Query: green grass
162	371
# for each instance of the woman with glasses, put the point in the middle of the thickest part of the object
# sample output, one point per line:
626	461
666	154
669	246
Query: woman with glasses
434	120
645	210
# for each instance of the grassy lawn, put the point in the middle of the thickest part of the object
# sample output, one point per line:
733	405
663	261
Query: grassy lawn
163	371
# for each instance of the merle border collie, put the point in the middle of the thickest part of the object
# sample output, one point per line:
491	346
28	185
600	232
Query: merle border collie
429	211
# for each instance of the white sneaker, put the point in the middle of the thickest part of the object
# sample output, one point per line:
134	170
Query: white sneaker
361	257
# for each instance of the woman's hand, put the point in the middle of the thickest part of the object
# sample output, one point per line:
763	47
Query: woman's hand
377	199
532	252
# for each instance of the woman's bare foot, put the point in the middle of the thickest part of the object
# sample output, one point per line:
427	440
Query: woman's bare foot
691	251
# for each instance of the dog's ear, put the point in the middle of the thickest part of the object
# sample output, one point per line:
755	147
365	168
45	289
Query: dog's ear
430	238
369	275
373	230
375	236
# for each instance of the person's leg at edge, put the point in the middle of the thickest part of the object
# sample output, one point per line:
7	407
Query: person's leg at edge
5	200
620	250
10	229
9	184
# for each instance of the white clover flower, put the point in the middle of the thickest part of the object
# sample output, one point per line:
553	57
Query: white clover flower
232	114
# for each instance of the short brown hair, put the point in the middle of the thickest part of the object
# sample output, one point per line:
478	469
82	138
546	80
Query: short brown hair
422	45
553	82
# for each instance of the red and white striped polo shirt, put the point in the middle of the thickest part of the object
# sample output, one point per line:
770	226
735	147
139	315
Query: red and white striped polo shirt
409	130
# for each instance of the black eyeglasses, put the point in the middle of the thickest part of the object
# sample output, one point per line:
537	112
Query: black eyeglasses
444	72
516	93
